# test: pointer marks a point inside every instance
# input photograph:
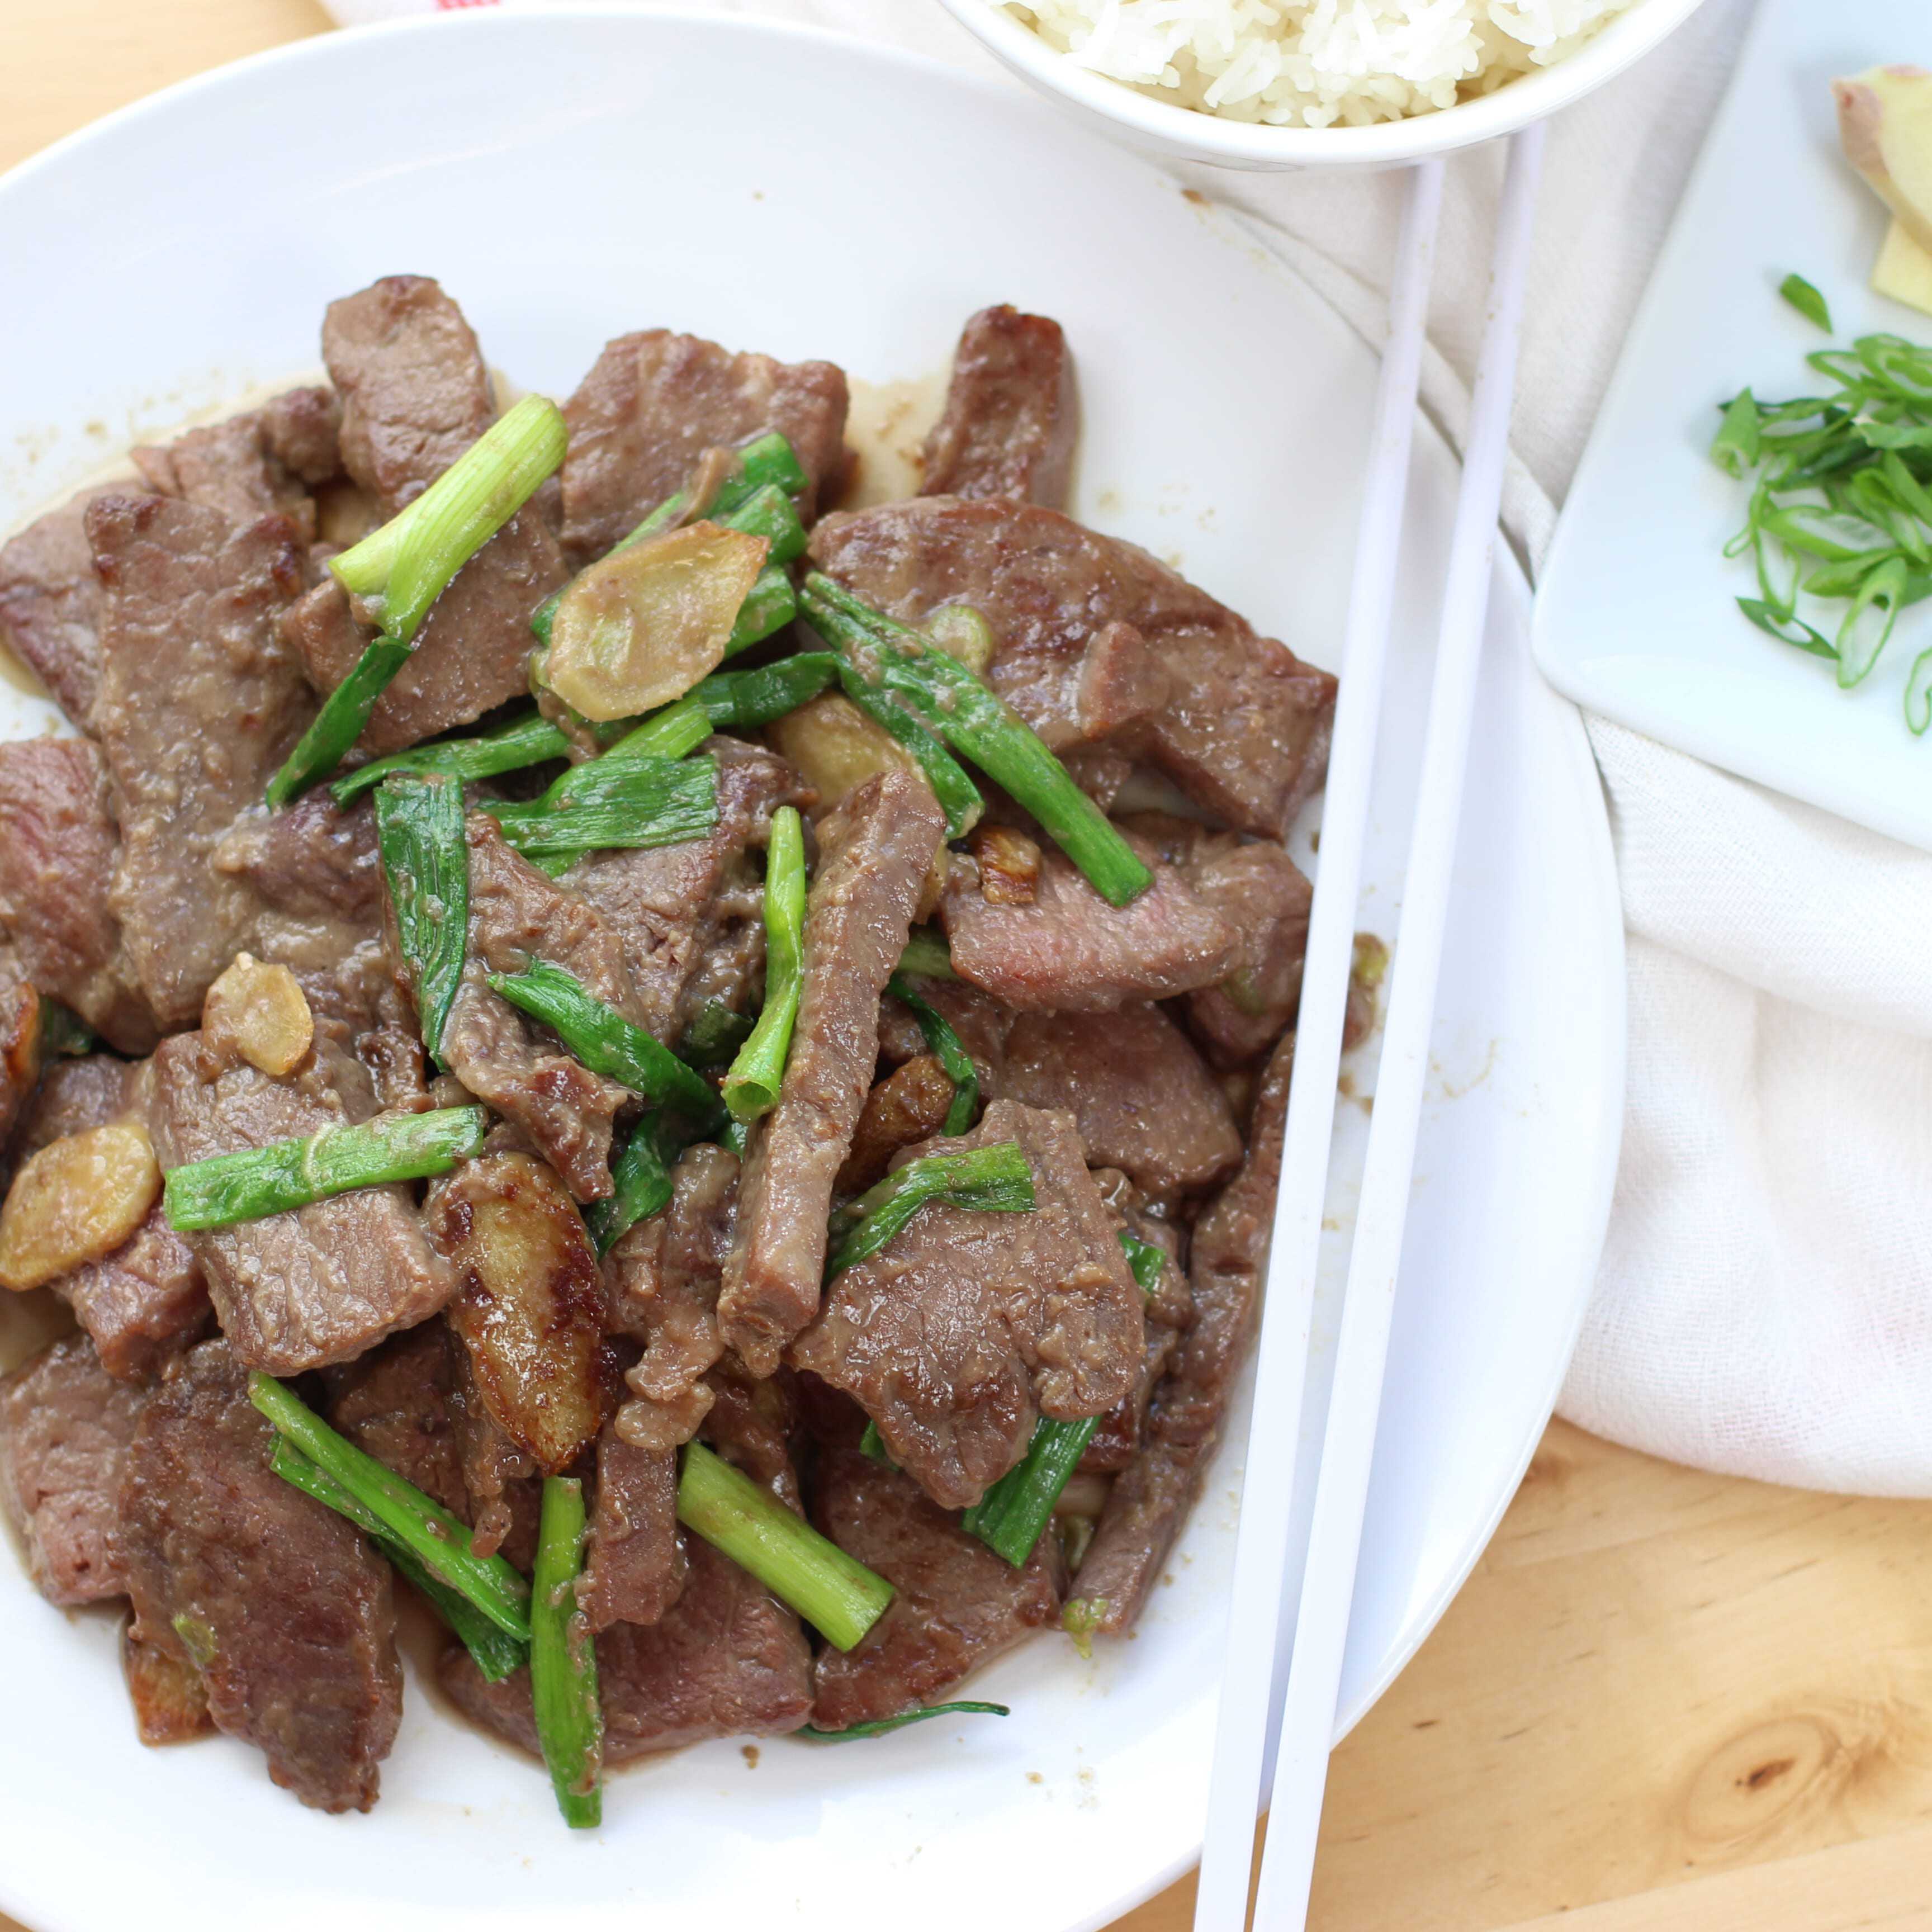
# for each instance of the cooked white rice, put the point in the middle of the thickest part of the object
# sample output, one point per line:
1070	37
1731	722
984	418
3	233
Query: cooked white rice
1315	63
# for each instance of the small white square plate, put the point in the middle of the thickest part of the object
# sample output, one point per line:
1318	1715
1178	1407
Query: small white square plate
1635	617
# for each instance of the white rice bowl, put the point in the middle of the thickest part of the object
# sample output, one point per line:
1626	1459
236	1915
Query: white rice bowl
1314	63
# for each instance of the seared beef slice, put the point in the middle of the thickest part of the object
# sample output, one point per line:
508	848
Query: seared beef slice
634	1567
874	852
260	464
653	403
51	603
320	1285
968	1327
726	1660
1011	420
65	1424
283	1604
958	1605
415	395
199	704
1151	1499
1243	726
58	849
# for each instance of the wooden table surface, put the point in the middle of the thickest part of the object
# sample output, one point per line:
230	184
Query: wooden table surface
1665	1700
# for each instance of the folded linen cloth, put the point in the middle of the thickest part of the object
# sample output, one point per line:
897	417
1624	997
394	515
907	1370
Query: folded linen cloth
1764	1306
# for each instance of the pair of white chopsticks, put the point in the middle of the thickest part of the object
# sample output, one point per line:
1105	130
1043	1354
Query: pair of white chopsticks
1250	1696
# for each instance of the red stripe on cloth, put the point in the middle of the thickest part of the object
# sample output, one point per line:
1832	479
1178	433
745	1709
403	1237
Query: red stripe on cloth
450	6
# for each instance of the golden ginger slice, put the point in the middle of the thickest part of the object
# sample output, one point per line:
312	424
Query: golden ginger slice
1903	270
77	1201
260	1012
1884	126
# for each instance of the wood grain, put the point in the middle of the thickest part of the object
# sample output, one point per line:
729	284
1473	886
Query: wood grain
1665	1702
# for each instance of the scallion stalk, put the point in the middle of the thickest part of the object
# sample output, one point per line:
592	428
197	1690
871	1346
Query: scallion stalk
563	1660
927	956
742	701
523	741
751	1087
993	1179
257	1182
613	803
641	1183
878	1727
339	723
434	1536
425	855
942	1041
1009	1517
835	1593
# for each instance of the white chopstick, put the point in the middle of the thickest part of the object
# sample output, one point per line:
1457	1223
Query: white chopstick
1361	1354
1261	1553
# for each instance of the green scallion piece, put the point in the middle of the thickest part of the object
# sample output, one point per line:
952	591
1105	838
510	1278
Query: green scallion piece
1009	1517
872	1447
338	725
256	1182
878	1726
425	853
894	662
942	1042
752	1086
714	1037
563	1660
958	796
523	741
835	1594
993	1179
1144	1261
927	956
604	1041
641	1183
63	1034
769	605
1806	301
742	700
1736	446
612	802
497	1654
1918	694
434	1536
675	732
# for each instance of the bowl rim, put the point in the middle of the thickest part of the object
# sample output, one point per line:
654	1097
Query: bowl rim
1207	137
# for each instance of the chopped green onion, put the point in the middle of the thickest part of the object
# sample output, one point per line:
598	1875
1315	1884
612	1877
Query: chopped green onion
1805	638
604	1040
1860	644
769	606
872	1447
878	1726
993	1179
1918	694
611	803
836	1594
405	566
425	853
893	662
525	741
497	1654
675	732
640	1183
958	796
751	1087
941	1040
1806	301
563	1660
259	1181
1144	1261
1735	448
63	1034
742	700
436	1538
1080	1619
339	723
1009	1517
927	956
714	1037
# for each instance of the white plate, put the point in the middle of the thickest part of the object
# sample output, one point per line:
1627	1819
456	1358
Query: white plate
572	177
1634	614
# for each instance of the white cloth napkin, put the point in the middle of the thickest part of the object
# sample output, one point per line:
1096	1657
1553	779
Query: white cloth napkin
1765	1303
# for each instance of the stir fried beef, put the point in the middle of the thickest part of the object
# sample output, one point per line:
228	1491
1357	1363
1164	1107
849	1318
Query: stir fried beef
959	1606
968	1328
1070	951
634	1567
1011	419
263	462
516	915
726	1660
1245	731
690	917
653	403
874	852
51	604
65	1425
1144	1101
170	1701
395	1403
415	395
320	1285
57	848
462	1328
1148	1501
200	703
282	1605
